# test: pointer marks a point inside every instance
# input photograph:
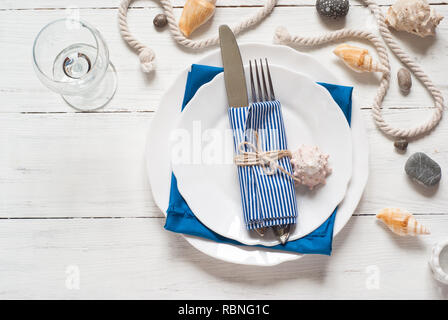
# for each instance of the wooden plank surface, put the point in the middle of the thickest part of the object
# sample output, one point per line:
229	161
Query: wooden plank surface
75	202
92	165
136	259
20	88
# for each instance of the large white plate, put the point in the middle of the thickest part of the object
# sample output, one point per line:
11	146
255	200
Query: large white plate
207	177
158	155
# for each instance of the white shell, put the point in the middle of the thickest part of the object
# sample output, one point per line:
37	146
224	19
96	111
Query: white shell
414	16
434	262
310	166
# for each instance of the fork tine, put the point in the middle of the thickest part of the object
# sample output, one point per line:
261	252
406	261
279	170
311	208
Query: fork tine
265	89
260	93
252	85
271	88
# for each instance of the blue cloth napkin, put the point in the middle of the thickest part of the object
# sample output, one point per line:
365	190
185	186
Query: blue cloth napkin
181	219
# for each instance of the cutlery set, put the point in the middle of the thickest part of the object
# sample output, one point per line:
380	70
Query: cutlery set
237	97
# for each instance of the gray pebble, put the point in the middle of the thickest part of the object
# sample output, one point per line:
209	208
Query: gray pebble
404	80
160	20
423	169
401	144
332	8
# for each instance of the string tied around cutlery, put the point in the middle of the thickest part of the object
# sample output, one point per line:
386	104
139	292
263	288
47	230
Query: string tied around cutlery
147	55
282	36
268	160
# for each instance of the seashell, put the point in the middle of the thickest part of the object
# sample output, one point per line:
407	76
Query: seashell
310	166
404	80
414	16
358	59
439	261
401	222
194	14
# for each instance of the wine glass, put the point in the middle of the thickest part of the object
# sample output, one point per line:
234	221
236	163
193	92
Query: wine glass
71	58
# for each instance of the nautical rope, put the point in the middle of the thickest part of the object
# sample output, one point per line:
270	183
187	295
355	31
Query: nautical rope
147	55
282	36
268	160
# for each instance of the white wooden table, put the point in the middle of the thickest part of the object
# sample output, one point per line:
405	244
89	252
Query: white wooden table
77	219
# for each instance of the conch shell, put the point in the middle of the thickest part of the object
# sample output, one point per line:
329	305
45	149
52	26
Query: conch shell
414	16
358	59
401	222
194	14
310	166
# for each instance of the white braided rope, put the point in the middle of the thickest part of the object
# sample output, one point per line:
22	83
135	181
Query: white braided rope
147	56
282	36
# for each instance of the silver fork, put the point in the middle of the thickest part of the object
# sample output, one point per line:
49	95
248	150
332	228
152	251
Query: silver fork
281	231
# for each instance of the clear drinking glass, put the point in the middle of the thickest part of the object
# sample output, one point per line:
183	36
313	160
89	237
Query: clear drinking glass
71	58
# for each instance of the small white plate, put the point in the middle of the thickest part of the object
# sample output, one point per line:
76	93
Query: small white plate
207	177
158	154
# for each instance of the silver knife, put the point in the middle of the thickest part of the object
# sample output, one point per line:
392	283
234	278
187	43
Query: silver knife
233	69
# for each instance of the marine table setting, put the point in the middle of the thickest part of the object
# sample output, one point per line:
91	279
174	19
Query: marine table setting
223	149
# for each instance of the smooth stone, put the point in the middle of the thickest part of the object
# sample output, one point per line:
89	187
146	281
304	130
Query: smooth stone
404	80
160	20
401	144
423	169
332	8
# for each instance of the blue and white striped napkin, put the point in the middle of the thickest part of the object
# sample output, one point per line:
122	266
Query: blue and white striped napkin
267	200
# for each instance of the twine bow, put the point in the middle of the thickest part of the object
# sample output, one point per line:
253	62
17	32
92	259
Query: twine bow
268	160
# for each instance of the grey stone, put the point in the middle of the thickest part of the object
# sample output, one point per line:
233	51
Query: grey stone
423	169
160	20
332	8
401	144
404	80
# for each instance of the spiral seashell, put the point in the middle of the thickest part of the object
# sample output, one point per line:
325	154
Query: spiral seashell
194	14
310	166
358	59
413	16
402	222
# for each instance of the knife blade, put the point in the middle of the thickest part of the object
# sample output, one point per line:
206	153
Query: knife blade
233	68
